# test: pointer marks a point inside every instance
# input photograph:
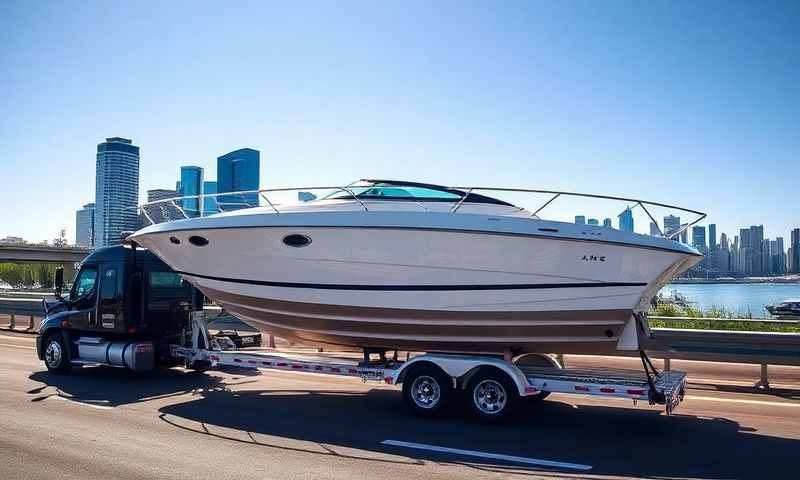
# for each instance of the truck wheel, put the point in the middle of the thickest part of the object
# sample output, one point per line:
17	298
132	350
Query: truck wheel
492	396
427	391
55	354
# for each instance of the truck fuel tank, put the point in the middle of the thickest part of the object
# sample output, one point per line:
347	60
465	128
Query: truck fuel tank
135	355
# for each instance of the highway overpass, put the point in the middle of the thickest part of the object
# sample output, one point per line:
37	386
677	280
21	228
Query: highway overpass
30	253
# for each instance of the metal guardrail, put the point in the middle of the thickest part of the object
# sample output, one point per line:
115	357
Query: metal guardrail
25	307
769	321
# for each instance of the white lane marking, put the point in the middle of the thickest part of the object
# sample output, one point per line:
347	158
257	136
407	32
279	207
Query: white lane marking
26	347
741	400
76	402
493	456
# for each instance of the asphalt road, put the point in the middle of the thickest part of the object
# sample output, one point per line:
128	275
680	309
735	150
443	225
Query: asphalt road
107	423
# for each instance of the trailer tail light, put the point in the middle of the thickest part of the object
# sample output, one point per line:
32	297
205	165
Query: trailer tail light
636	391
131	330
581	388
387	380
607	390
65	323
531	390
144	348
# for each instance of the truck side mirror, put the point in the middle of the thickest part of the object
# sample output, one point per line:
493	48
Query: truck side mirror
59	281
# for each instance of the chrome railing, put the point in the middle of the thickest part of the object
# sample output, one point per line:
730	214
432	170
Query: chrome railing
177	205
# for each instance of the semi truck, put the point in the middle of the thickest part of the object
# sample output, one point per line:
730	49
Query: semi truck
128	309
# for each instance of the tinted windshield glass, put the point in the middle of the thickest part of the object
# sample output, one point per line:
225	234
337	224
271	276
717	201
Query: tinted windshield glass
85	282
165	280
393	191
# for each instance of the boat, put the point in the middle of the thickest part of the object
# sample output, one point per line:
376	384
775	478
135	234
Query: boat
396	265
787	308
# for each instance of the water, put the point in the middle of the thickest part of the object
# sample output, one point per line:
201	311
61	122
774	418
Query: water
736	297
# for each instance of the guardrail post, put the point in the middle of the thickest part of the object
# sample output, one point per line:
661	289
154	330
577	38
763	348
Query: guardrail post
271	341
764	382
13	322
667	364
30	324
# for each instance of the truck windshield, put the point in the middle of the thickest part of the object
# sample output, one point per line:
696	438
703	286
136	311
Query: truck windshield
85	282
161	280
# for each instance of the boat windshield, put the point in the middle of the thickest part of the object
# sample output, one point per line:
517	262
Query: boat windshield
419	192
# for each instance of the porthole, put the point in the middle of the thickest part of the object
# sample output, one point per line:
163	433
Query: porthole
174	240
198	241
296	240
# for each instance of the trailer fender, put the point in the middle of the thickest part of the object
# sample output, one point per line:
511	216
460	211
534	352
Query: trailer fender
462	367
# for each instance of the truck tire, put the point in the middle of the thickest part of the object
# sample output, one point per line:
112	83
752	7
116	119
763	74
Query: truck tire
55	354
491	396
427	391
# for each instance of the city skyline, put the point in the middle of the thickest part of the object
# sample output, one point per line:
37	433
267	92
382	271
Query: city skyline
677	111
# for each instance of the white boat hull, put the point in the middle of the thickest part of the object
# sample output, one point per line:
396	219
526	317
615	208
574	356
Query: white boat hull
423	289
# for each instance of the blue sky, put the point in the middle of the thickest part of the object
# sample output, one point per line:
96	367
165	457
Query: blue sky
692	103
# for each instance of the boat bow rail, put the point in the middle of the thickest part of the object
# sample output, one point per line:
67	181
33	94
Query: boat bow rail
457	198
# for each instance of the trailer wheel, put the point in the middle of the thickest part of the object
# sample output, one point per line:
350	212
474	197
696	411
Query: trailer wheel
427	391
55	354
492	396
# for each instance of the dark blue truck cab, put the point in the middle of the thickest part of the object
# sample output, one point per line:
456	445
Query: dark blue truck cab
124	309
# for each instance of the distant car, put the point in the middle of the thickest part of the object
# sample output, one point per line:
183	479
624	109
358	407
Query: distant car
241	339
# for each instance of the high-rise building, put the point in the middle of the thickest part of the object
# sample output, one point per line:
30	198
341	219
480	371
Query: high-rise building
654	229
795	246
209	203
626	220
84	226
157	194
777	256
160	212
671	225
685	236
580	219
238	171
607	222
699	237
191	185
593	221
757	243
723	241
712	237
116	190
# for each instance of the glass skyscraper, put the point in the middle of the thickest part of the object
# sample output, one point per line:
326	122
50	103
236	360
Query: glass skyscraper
191	184
209	203
116	190
671	225
238	171
712	237
699	237
626	220
84	226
